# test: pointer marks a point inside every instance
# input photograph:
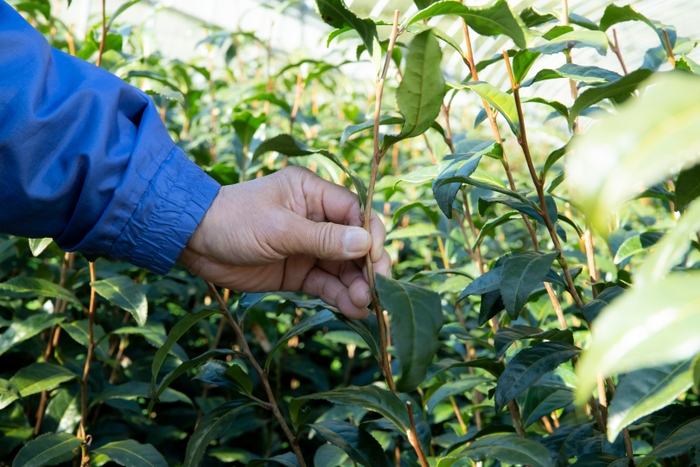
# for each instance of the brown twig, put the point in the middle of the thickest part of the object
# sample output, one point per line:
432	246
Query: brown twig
263	376
413	437
104	36
615	47
669	48
367	215
86	369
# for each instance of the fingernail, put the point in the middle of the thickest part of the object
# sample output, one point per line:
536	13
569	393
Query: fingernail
356	241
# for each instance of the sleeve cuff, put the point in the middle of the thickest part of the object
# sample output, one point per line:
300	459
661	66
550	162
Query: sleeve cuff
167	215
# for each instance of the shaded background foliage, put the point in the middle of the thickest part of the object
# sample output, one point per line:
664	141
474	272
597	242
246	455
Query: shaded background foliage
504	263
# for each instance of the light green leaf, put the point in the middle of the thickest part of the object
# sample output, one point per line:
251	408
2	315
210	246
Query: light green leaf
491	21
8	393
455	387
129	453
79	331
48	449
337	15
575	40
38	245
366	125
499	100
213	425
636	244
126	294
175	334
39	377
358	444
63	410
642	392
422	89
510	448
416	319
663	316
620	153
20	331
24	287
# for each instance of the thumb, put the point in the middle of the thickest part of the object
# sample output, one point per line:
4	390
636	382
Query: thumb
326	240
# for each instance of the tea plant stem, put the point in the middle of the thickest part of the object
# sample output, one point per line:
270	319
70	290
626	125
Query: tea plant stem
615	47
263	376
90	349
104	36
297	103
413	437
367	215
669	48
539	186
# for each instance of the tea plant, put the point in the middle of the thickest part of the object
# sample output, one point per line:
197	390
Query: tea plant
508	265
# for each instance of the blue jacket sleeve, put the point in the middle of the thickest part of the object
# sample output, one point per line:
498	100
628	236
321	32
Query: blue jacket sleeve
86	160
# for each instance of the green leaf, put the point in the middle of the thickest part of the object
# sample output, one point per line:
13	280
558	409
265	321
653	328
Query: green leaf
246	124
80	332
422	89
63	412
455	387
688	185
48	449
619	14
523	272
509	448
287	145
506	336
617	91
592	309
129	453
621	153
529	207
367	329
136	389
432	215
587	74
211	426
371	398
153	336
304	325
416	319
501	101
366	125
532	17
20	331
39	377
528	366
287	459
8	393
560	108
680	440
38	245
575	40
25	287
662	315
175	334
359	445
642	392
491	365
491	21
522	62
337	15
636	244
184	368
553	157
542	400
491	225
601	459
126	294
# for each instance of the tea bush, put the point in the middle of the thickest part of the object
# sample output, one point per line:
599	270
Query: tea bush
506	266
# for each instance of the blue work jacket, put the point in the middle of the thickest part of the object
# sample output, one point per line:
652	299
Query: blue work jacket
86	160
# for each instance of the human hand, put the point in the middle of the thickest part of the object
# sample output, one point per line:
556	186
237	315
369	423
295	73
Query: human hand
289	231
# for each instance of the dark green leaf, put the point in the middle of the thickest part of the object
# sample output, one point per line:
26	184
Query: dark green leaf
522	62
560	108
642	392
680	440
455	387
135	389
491	304
582	21
211	426
307	323
39	377
287	145
48	449
523	272
688	185
124	293
245	126
336	14
490	225
8	393
422	89
491	21
371	398
287	459
416	319
359	445
487	282
553	157
601	459
129	453
541	401
619	14
80	332
23	287
367	329
63	410
366	125
531	17
432	215
506	336
528	366
617	91
509	448
20	331
491	365
592	309
175	334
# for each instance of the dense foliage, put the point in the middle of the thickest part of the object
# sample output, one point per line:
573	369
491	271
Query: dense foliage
503	262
